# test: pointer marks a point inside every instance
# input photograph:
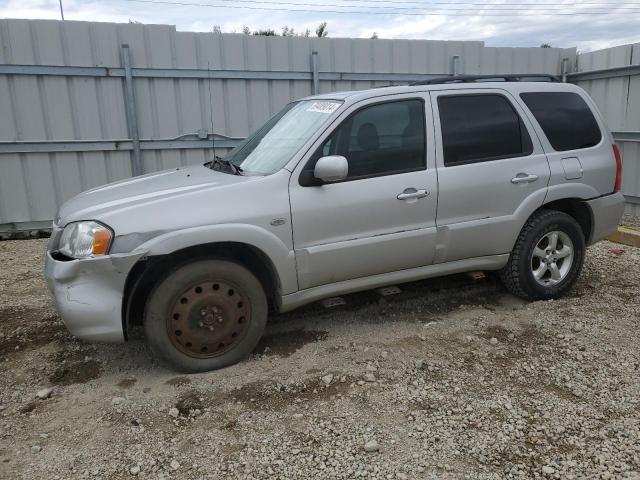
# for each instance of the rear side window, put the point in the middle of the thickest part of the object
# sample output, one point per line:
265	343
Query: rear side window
565	118
480	128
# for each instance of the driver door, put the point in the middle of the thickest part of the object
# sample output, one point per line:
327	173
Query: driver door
381	218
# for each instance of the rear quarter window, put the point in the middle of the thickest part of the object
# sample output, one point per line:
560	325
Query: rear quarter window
565	118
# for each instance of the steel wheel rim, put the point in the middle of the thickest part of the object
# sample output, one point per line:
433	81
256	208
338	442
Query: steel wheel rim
552	258
208	319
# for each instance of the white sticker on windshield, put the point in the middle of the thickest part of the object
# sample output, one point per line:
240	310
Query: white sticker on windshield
323	107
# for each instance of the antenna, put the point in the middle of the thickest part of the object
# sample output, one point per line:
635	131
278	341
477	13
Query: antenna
213	135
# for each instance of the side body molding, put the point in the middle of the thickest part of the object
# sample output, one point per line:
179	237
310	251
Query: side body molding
282	258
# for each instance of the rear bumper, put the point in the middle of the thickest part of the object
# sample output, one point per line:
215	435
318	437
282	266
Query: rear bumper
606	214
88	294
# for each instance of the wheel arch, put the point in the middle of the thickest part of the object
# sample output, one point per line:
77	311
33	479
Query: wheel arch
150	270
576	208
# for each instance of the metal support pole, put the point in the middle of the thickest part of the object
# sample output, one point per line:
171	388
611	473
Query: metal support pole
61	10
130	109
565	69
314	73
455	70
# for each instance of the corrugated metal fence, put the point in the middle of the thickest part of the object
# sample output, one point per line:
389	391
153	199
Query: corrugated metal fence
612	78
84	103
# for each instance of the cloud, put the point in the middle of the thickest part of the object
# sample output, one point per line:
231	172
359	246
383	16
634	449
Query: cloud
587	32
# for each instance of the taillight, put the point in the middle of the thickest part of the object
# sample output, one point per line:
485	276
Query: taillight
618	183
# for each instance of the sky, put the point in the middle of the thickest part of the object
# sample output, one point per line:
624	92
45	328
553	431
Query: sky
589	24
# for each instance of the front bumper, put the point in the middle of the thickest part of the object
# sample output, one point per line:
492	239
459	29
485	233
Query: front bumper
88	294
606	214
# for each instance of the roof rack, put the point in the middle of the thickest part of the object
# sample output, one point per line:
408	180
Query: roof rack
524	77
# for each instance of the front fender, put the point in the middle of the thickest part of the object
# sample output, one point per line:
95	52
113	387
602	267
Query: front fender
283	258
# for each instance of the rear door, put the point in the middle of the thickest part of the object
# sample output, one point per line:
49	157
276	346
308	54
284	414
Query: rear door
492	172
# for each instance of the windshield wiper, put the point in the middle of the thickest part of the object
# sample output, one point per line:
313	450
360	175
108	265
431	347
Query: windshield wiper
226	164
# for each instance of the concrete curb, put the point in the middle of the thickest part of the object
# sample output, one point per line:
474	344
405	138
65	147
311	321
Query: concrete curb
626	236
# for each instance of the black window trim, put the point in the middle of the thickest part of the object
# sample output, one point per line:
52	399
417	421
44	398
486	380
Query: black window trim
304	180
595	118
484	159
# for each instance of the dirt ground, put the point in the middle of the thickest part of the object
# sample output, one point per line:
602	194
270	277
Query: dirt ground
451	378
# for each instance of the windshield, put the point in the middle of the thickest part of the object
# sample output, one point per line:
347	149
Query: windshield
272	146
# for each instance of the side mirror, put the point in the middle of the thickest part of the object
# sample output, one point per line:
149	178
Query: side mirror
332	168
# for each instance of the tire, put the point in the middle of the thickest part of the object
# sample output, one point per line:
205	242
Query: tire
533	256
205	315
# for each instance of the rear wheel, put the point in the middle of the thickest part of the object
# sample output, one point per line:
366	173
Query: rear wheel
547	257
206	315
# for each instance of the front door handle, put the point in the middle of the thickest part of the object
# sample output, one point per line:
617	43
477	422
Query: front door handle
524	178
410	193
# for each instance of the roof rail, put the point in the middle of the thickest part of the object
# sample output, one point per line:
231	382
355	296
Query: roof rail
524	77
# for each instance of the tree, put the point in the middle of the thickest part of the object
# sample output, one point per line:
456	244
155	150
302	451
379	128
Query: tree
216	29
322	31
545	45
270	32
374	36
287	31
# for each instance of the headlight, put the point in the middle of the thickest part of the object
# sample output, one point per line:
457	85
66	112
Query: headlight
85	239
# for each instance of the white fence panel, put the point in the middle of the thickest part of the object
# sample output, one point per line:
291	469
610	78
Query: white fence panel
618	98
65	131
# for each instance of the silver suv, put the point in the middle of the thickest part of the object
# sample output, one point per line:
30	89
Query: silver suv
338	193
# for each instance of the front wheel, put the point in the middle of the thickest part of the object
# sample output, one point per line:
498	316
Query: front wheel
205	315
547	257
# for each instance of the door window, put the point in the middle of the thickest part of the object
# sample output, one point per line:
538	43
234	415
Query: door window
565	118
381	139
480	128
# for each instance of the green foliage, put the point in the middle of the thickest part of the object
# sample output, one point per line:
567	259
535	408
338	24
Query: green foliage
322	31
266	32
287	31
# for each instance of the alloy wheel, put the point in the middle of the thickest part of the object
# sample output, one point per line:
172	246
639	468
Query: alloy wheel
552	258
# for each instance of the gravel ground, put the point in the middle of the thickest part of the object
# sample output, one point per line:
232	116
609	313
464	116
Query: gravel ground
631	221
451	378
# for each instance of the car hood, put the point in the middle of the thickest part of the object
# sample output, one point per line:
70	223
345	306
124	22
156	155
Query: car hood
117	198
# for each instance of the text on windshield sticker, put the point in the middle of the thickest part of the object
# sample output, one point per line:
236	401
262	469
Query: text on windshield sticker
323	107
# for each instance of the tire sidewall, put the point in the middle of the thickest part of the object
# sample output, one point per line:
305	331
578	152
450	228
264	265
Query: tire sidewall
161	300
557	222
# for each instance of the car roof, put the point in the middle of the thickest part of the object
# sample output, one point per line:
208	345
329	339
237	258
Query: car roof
514	87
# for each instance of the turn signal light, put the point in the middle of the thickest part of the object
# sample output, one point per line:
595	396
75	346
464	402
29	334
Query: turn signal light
101	242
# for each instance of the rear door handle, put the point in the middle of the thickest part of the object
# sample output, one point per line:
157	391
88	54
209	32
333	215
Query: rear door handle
524	178
410	193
